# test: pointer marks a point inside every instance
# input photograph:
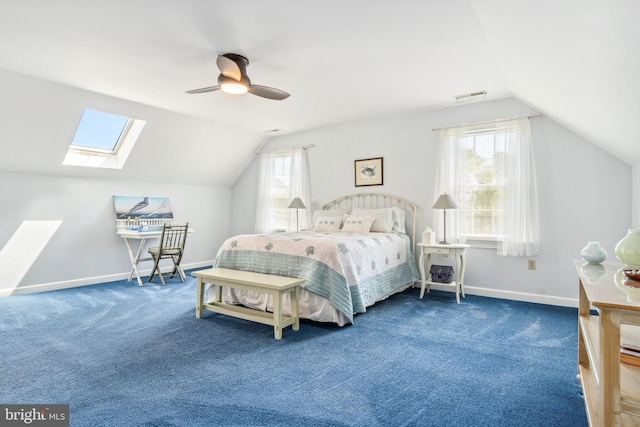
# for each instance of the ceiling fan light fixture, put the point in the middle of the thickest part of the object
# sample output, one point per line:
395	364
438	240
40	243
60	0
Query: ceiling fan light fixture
234	88
233	79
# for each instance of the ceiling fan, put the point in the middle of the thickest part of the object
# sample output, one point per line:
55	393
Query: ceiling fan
233	79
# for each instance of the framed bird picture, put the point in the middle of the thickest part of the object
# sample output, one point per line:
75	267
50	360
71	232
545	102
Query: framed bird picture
142	207
368	172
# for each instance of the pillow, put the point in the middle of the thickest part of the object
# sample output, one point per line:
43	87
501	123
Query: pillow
358	224
400	226
383	222
387	219
327	223
329	212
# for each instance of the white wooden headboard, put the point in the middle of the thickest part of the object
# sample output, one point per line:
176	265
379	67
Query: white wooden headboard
377	200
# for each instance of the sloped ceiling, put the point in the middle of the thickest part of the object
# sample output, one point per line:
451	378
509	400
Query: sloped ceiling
574	60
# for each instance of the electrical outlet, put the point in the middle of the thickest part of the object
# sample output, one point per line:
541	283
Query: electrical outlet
532	264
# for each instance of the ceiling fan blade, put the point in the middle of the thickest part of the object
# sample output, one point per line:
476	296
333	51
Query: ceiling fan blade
229	68
204	89
268	92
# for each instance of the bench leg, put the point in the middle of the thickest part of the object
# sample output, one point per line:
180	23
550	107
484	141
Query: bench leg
199	296
218	297
295	307
277	315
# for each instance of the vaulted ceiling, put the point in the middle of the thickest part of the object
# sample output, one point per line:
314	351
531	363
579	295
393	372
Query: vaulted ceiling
576	61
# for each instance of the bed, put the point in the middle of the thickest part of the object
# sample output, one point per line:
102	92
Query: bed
359	250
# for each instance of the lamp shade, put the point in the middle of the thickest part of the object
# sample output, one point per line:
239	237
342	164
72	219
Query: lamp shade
445	202
296	203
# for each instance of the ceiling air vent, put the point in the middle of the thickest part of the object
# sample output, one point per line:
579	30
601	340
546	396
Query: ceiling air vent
470	97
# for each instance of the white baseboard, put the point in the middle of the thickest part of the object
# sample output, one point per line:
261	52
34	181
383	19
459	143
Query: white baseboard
53	286
510	295
469	290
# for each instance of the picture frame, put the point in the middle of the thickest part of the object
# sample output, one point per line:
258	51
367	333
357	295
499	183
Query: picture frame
368	172
142	207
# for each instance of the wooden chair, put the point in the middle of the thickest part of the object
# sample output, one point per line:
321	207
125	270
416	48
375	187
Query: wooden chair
171	247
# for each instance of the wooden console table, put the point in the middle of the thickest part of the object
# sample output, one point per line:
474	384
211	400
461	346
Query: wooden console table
611	388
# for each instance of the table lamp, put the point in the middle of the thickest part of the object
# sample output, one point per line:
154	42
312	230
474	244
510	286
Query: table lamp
296	204
445	202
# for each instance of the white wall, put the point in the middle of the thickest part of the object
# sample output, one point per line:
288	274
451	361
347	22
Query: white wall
635	222
584	192
40	118
192	161
85	249
244	200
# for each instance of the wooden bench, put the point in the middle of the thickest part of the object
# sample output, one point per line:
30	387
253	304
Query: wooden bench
277	286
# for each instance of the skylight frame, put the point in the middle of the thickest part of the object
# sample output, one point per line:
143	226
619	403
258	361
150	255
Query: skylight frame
116	148
81	155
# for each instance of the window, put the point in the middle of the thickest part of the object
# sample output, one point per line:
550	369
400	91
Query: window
103	140
281	191
482	193
283	176
100	132
489	171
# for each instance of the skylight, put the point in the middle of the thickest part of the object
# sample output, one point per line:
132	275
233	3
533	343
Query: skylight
100	131
103	140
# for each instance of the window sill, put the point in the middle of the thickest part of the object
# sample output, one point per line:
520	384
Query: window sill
483	244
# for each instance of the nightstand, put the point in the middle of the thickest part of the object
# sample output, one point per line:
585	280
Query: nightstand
455	249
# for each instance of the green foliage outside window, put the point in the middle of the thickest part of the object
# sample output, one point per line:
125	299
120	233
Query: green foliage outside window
483	191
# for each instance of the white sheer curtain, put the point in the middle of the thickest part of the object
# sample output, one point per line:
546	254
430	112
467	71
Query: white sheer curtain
283	175
520	223
447	175
518	228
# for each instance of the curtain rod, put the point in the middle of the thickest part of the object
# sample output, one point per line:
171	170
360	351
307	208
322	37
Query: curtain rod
487	122
304	147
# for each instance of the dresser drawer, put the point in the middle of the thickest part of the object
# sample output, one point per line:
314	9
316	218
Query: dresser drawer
440	250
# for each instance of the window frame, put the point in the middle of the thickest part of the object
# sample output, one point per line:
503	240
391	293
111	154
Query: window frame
485	240
520	228
80	155
298	186
116	149
280	214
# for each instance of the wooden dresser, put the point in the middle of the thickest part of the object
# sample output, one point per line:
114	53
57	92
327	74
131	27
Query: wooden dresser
611	388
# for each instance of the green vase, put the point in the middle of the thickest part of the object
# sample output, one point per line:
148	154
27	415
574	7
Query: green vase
628	249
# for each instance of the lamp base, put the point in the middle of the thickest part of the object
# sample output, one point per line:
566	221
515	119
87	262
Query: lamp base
444	242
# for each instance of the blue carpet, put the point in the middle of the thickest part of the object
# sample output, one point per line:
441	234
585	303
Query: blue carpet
125	355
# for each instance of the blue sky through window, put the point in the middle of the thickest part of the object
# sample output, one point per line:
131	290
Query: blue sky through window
99	130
